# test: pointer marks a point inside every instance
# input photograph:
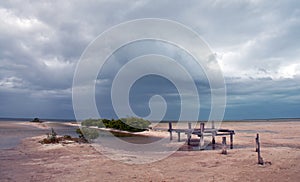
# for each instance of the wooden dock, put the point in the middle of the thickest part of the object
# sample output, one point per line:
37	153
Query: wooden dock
201	133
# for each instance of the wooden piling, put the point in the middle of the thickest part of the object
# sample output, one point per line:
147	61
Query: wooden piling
260	159
201	126
256	142
201	136
231	140
170	130
178	136
189	134
213	142
224	147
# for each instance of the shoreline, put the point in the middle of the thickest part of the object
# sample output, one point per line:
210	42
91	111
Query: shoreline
32	161
79	162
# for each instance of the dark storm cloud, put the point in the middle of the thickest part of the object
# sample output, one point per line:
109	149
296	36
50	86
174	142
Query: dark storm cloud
256	43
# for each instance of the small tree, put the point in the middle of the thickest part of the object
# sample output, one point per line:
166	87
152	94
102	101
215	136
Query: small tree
51	138
87	133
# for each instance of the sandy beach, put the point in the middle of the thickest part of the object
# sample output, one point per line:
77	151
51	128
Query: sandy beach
280	145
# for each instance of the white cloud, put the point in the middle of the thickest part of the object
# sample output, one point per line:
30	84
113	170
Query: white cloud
11	82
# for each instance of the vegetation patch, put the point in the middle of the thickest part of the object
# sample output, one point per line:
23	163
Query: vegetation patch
131	124
53	138
88	133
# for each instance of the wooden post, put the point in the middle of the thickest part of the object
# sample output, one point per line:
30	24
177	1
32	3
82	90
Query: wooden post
224	147
170	130
231	140
202	126
189	134
256	142
178	136
213	140
260	159
201	136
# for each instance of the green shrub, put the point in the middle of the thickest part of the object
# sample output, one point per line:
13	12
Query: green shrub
88	133
136	124
52	136
79	132
126	124
93	122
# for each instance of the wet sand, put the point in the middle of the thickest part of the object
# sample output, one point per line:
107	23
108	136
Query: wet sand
280	141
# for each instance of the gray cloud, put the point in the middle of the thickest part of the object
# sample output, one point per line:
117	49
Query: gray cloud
256	43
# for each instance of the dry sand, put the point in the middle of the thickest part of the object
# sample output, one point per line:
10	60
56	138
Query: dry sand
32	161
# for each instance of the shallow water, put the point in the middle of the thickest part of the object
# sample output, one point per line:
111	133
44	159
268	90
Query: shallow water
12	133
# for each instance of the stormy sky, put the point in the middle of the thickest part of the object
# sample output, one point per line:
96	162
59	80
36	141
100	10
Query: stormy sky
255	42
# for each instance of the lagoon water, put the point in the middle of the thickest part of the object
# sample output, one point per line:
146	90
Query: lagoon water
12	132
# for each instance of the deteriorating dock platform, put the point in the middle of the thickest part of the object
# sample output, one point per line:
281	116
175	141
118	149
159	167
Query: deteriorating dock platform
202	132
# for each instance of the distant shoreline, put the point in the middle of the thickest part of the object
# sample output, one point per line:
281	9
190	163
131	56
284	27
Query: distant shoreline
42	119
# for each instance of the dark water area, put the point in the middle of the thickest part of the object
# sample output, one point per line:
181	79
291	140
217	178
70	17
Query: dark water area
12	133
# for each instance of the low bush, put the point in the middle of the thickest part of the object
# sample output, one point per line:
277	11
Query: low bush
131	124
87	133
